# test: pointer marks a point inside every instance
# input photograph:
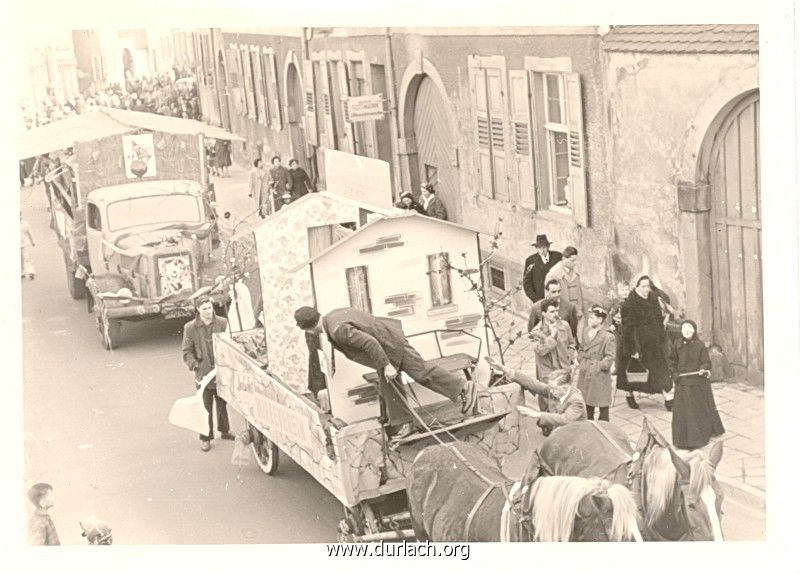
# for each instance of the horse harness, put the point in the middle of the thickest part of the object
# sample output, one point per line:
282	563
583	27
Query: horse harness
511	501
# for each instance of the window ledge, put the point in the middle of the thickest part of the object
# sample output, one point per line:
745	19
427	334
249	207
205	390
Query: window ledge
557	215
442	310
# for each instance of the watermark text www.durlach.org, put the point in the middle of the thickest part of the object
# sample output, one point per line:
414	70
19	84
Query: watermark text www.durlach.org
399	550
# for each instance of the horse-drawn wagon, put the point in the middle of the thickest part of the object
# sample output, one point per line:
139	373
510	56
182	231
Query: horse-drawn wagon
331	251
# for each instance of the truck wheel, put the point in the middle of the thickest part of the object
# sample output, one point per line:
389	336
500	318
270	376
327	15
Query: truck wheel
75	286
265	451
110	330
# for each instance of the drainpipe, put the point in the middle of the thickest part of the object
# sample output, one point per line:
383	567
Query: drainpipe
394	122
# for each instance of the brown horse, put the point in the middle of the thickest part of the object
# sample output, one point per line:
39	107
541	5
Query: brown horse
457	494
677	494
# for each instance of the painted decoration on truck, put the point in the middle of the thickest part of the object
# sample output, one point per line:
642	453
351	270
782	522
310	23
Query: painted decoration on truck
175	274
140	156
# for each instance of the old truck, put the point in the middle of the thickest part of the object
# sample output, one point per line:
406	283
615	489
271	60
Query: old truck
133	213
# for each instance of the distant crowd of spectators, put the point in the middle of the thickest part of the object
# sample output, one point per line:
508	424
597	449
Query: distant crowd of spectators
169	94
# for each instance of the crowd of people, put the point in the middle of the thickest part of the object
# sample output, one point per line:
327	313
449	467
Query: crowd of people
169	94
630	340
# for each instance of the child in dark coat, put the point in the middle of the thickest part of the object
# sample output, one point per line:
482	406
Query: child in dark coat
695	419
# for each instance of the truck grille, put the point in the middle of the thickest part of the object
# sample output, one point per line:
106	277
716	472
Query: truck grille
175	274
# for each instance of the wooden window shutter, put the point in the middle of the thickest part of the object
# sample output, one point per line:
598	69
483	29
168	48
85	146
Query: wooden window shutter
497	122
247	84
358	288
265	87
344	93
521	133
327	108
312	136
258	80
483	159
233	68
276	100
577	161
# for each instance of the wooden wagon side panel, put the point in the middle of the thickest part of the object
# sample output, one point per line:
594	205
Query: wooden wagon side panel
289	420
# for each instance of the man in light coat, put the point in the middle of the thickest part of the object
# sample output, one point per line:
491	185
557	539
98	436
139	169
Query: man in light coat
553	343
597	353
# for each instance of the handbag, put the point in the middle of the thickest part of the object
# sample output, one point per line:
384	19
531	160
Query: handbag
190	413
637	375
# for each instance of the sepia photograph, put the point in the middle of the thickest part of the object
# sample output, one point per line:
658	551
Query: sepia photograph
394	290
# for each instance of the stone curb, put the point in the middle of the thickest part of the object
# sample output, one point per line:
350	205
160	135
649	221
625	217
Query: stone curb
744	494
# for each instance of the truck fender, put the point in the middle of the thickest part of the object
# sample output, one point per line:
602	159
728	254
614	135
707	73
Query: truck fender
106	283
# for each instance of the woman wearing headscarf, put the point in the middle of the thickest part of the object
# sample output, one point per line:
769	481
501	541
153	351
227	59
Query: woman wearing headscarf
644	340
695	419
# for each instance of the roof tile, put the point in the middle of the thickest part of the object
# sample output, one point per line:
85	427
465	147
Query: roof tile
704	38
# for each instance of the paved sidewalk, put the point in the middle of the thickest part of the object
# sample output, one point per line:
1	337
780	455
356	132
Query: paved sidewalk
741	408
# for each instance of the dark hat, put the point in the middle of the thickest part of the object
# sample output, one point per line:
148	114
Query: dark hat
306	317
541	240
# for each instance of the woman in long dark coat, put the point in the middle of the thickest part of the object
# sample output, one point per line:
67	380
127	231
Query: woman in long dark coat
644	339
695	419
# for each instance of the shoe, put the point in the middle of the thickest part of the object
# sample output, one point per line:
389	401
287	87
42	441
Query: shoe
205	446
227	436
469	397
632	402
668	405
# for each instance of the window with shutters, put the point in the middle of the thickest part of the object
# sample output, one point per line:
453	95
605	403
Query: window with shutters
263	64
488	87
358	88
497	278
439	276
556	154
258	84
358	288
247	74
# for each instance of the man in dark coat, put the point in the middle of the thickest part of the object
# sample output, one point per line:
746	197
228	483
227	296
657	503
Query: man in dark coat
379	343
279	181
198	354
433	206
536	268
300	182
644	339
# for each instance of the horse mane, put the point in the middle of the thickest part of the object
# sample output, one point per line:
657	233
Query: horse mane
661	477
555	505
625	513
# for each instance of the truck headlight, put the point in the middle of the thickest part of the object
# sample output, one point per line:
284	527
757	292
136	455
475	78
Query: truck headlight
175	274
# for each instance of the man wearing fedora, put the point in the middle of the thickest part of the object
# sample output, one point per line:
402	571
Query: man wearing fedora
537	266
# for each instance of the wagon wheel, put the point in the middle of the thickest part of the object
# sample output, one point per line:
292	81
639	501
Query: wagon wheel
265	451
109	329
358	520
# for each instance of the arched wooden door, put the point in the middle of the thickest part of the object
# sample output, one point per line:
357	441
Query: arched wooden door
434	137
736	218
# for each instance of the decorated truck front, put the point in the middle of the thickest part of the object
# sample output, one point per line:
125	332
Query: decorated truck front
150	247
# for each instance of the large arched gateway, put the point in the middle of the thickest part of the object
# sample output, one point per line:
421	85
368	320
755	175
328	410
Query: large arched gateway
733	170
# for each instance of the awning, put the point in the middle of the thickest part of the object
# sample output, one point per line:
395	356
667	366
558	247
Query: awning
105	122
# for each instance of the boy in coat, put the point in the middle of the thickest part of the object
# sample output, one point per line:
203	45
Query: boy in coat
596	355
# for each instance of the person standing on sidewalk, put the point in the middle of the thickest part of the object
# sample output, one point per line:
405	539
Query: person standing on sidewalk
695	419
41	530
644	339
564	271
566	310
301	183
537	266
553	343
597	352
198	354
26	243
257	182
279	181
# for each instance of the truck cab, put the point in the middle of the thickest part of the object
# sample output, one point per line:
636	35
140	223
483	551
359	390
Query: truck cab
150	247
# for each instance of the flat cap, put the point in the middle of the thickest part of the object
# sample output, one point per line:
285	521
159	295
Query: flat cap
306	317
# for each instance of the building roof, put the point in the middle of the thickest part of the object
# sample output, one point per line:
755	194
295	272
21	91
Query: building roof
691	39
379	222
